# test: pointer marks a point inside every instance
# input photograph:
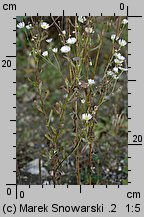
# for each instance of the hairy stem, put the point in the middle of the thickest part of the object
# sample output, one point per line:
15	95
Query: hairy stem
90	163
76	140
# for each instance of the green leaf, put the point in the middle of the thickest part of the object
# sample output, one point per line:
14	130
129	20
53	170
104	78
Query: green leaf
49	119
54	130
48	137
125	182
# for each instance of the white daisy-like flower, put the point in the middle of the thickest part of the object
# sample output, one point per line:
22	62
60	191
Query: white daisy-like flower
123	69
55	49
89	30
64	32
115	69
44	25
81	19
45	53
113	37
119	56
86	117
71	40
91	81
29	26
49	40
122	42
118	62
21	25
125	21
90	63
82	101
65	49
110	73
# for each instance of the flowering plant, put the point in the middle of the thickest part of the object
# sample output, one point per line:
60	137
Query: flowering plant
88	79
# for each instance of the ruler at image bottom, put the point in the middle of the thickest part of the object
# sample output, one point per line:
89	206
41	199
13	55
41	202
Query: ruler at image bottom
74	200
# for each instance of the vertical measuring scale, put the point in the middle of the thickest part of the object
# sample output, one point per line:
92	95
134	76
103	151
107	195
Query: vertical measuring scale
62	200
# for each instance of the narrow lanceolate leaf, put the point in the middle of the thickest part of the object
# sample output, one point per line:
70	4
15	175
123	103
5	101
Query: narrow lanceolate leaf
40	86
95	48
48	137
66	82
49	119
40	109
54	130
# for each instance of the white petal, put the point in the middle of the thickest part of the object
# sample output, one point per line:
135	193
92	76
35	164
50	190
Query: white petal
91	81
81	19
82	101
20	25
65	49
125	21
71	40
113	36
55	49
45	53
29	26
49	40
44	25
89	29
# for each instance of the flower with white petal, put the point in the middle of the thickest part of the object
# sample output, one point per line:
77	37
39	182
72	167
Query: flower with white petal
45	53
113	37
21	25
115	77
82	101
65	49
49	40
44	25
71	40
119	56
91	81
90	63
123	69
110	73
86	117
29	26
64	32
89	30
122	42
55	49
125	21
118	62
115	69
81	19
